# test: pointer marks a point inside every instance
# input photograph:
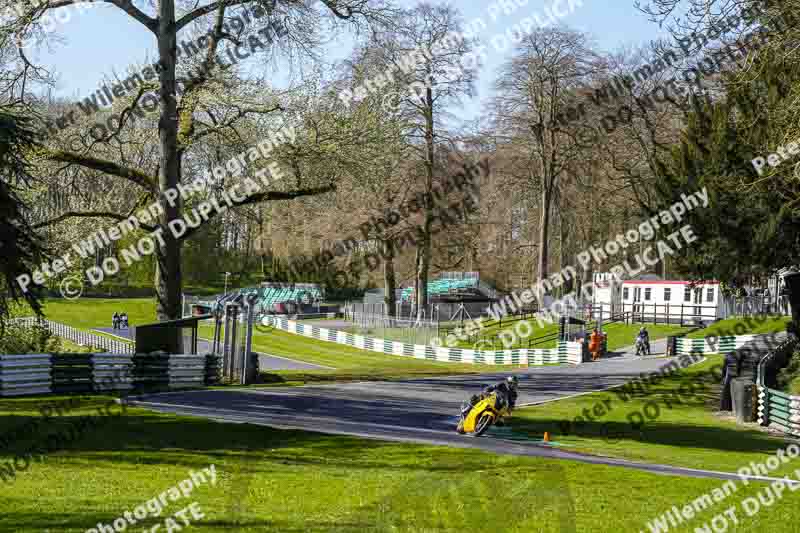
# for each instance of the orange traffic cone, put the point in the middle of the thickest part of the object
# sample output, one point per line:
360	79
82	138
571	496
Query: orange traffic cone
546	436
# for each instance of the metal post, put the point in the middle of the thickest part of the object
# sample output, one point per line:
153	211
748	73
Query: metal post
248	376
194	340
226	354
233	340
600	321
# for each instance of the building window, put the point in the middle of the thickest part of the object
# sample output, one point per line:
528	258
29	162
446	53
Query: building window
687	294
667	294
710	295
625	293
647	292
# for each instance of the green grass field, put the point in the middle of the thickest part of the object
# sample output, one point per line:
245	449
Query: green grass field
623	335
293	481
743	326
88	313
68	346
290	481
348	363
406	335
682	430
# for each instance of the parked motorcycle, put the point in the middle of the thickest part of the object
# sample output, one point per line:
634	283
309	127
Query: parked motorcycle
478	417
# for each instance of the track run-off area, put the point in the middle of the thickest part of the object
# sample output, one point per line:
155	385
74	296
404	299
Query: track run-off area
421	410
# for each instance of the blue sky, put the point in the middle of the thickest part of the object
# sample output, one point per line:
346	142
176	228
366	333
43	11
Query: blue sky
102	40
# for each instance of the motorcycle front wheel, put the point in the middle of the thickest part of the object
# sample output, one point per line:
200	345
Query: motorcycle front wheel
484	422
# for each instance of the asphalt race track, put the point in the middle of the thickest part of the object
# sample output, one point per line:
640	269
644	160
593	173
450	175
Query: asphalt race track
420	410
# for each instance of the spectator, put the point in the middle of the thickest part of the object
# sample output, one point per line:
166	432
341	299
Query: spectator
124	319
115	321
595	344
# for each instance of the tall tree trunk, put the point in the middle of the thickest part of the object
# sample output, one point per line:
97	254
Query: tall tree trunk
168	256
544	234
417	267
588	273
563	261
424	247
389	279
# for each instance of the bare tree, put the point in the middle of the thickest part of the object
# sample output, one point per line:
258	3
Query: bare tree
537	92
182	113
435	66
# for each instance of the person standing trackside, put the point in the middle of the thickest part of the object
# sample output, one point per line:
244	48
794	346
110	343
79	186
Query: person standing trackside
595	344
115	321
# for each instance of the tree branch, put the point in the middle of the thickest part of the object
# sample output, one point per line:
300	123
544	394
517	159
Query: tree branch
205	10
331	4
269	196
149	183
240	113
125	5
88	214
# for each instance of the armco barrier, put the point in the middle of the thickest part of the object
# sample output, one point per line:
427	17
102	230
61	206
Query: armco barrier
778	409
567	352
86	373
25	374
722	345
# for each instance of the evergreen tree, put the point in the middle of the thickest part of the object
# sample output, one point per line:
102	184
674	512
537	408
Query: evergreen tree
20	250
751	227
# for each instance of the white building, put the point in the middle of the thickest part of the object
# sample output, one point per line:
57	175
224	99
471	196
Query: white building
656	300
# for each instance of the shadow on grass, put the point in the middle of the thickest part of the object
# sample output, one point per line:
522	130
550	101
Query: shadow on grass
662	433
647	415
80	521
142	439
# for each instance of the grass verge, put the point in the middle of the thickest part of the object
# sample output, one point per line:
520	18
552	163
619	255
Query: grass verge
743	326
291	481
89	313
671	421
624	335
348	363
67	346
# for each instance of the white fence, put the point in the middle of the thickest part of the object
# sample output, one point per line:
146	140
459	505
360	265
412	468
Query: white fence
566	352
77	336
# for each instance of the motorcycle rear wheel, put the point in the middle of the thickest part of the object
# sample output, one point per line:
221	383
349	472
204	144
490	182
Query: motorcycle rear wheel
484	422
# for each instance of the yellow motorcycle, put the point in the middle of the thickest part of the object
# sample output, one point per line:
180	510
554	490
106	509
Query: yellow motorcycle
477	417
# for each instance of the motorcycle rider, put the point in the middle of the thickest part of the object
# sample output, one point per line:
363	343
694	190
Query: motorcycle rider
644	337
507	389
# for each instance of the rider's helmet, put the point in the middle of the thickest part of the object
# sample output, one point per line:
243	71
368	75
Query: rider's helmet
642	330
512	382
